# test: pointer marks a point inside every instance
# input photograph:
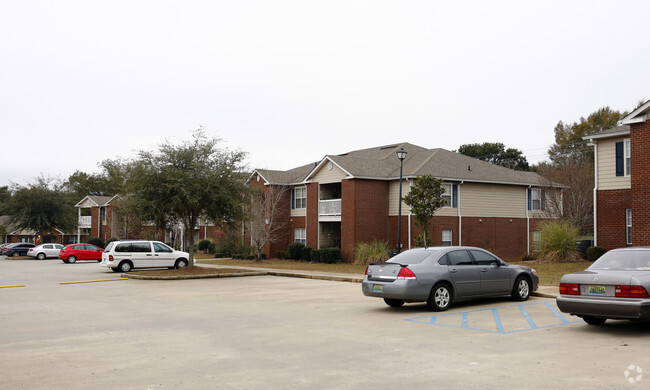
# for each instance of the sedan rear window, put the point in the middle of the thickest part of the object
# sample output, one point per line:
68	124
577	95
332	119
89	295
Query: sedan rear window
411	257
624	260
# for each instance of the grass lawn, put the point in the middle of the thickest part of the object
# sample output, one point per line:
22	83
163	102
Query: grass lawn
549	273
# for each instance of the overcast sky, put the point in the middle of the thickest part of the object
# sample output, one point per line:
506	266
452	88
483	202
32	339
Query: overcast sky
292	81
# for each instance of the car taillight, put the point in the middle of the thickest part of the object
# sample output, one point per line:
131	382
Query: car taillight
631	292
110	258
367	270
405	273
569	289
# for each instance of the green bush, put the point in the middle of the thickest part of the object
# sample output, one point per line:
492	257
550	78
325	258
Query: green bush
325	255
204	245
95	241
373	252
282	255
594	252
315	255
295	250
558	242
306	254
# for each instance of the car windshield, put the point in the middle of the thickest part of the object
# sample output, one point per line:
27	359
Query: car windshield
411	257
623	260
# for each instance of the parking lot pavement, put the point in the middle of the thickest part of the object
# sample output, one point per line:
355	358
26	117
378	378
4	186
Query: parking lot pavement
268	332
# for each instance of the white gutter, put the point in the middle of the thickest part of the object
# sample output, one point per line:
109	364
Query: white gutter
527	224
594	143
460	217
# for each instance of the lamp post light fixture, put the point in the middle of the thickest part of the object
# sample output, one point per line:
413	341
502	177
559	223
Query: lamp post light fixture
401	155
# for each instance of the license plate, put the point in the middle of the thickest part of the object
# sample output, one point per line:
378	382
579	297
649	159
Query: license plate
378	288
597	290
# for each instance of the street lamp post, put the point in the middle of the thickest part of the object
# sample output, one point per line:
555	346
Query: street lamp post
401	155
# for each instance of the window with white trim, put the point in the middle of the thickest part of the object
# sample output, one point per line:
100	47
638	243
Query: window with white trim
628	226
300	235
447	195
536	199
299	198
446	237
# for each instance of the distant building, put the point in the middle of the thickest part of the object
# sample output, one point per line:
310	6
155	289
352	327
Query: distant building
346	199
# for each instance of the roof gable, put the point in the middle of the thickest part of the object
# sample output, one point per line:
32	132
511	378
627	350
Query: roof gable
640	114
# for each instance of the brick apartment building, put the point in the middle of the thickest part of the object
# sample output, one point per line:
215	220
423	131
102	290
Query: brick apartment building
622	185
345	199
99	217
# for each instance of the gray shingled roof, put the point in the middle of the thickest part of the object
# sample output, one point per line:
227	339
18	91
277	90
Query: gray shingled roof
381	163
292	176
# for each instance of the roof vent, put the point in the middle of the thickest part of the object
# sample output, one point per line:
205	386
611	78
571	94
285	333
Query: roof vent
469	167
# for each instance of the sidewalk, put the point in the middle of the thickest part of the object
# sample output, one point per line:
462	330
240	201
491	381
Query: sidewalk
542	291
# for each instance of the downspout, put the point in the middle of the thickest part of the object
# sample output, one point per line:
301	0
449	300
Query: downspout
79	228
460	217
527	223
594	144
410	214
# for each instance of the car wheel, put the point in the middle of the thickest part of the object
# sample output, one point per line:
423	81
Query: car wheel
72	259
41	256
594	320
125	266
182	263
521	289
16	254
99	261
440	297
394	302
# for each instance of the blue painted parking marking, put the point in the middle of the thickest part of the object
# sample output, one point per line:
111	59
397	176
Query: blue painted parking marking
503	320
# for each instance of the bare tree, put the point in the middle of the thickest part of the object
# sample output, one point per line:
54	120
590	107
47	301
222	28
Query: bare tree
268	216
570	193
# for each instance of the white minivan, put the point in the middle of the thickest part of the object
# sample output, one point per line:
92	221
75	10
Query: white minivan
123	256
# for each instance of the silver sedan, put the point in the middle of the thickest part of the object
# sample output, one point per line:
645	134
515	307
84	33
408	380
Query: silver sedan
441	275
615	286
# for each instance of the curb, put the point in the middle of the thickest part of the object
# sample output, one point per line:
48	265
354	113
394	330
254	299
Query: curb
222	275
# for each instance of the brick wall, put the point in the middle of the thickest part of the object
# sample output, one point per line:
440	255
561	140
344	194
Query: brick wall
640	202
611	207
364	213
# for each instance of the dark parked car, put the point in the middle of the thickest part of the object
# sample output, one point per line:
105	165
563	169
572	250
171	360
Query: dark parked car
4	246
18	249
615	286
73	252
441	275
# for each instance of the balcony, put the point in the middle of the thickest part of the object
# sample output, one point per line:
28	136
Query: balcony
330	208
85	222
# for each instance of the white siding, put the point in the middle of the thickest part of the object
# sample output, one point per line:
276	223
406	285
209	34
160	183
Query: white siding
326	175
492	200
607	179
393	193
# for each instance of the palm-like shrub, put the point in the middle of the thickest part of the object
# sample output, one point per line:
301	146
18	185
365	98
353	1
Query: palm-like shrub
371	252
558	242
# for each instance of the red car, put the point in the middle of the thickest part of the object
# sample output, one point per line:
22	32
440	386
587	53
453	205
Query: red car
73	252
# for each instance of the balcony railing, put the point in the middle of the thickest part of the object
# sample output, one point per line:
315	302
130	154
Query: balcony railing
330	207
85	222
